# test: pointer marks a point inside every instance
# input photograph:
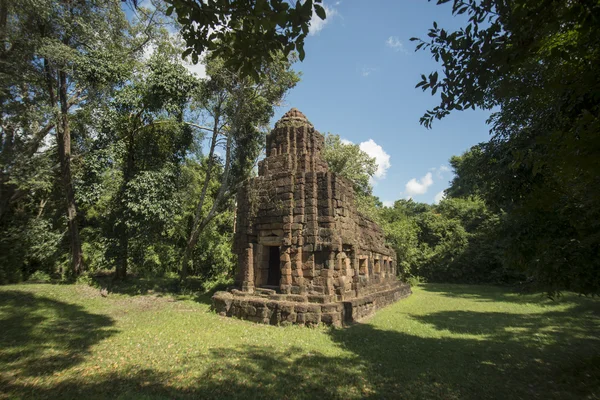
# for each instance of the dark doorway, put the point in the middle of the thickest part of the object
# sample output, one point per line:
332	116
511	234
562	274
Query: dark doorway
274	266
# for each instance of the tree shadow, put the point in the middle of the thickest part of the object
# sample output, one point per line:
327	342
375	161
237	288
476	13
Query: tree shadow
555	354
469	355
372	363
41	336
255	372
159	287
511	294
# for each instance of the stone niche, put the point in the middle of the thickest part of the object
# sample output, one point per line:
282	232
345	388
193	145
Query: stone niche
305	255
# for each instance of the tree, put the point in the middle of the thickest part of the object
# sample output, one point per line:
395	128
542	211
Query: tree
128	146
146	118
348	160
535	62
237	107
66	53
401	231
245	34
468	169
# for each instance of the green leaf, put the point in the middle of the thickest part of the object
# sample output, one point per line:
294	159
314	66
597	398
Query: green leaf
320	11
433	78
187	52
301	53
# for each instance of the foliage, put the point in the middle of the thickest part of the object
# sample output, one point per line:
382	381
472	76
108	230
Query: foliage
39	277
468	173
401	232
135	119
415	280
534	64
146	119
349	161
68	341
237	109
457	240
246	35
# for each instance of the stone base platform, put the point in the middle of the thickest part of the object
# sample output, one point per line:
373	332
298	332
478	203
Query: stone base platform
267	307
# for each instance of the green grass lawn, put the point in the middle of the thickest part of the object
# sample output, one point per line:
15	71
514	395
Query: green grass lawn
444	342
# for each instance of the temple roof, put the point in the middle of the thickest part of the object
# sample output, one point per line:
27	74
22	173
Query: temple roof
294	115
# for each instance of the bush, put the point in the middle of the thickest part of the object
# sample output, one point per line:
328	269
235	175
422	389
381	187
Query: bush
39	277
415	280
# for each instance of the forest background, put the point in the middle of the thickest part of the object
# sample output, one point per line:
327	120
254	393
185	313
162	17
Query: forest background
117	160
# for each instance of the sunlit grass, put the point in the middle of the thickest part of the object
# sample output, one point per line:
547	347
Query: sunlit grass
445	341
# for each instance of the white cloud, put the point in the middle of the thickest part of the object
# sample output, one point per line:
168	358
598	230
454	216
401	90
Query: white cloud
199	70
440	171
381	157
366	71
439	197
388	203
420	186
395	44
317	24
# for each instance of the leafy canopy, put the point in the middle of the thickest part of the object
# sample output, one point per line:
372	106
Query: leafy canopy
534	63
246	34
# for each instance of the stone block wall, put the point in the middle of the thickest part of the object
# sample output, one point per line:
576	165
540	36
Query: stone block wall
266	309
324	246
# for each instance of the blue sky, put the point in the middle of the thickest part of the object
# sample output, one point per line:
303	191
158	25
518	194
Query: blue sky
358	81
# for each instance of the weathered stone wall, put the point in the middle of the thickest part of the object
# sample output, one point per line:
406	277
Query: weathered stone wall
324	246
263	308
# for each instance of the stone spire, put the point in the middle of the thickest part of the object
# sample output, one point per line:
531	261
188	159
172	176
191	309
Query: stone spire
294	144
294	115
305	254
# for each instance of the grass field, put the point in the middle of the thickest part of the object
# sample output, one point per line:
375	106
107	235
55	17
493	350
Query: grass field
444	342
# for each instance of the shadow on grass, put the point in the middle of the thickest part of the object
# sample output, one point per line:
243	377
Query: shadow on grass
134	286
553	354
512	294
517	364
255	372
41	336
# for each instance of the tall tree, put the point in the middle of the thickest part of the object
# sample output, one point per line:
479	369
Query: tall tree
348	160
68	51
235	107
146	118
535	61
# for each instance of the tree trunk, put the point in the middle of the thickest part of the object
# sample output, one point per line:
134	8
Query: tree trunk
64	155
193	239
122	230
122	259
6	154
200	224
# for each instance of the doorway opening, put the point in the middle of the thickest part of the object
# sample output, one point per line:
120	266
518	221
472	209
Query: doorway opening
274	276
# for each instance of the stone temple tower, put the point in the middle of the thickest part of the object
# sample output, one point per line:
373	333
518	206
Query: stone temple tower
305	255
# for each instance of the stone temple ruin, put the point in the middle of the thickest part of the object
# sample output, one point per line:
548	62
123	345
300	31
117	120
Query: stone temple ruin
305	255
